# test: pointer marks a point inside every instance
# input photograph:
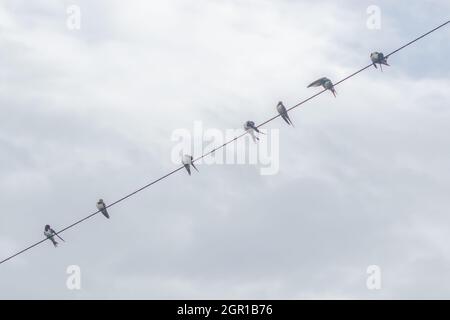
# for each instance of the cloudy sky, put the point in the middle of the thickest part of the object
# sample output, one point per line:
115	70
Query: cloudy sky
363	179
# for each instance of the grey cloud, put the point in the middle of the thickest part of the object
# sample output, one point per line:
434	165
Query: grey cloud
89	114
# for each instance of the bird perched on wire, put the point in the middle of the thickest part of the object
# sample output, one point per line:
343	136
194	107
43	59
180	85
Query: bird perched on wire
325	83
50	233
250	127
101	206
283	113
378	58
187	161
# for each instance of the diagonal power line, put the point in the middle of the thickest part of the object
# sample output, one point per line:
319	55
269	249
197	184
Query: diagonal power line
217	148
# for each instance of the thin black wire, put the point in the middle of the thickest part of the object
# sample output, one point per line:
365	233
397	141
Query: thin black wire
93	214
417	39
217	148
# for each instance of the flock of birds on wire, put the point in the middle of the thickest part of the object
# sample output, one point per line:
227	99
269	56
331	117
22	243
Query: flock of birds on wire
377	58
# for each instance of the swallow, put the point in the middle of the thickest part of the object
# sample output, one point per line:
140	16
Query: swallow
102	208
325	83
250	127
378	58
50	233
283	113
187	161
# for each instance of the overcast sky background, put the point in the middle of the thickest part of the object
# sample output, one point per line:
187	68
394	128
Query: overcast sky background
364	179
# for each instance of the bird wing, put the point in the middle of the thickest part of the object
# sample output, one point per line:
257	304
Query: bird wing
316	83
54	233
187	168
105	213
285	117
